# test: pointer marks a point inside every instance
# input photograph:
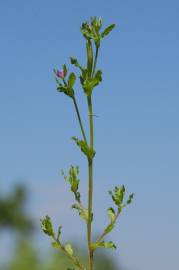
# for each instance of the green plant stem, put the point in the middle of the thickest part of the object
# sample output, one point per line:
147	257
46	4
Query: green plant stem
79	119
95	61
105	232
72	257
90	184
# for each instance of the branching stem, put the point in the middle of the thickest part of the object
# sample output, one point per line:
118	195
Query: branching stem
105	232
72	257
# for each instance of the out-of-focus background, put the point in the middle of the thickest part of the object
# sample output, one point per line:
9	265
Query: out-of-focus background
136	131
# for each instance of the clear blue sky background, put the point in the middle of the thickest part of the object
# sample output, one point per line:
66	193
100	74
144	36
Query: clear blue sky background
136	133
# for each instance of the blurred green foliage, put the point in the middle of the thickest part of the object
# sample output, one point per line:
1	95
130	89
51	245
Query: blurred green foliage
27	257
12	211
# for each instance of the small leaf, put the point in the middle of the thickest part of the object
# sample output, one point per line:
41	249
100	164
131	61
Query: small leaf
129	200
56	245
103	244
66	90
74	62
89	56
108	245
71	79
64	70
59	232
111	214
109	228
46	226
83	212
107	30
88	84
118	195
88	151
73	180
69	249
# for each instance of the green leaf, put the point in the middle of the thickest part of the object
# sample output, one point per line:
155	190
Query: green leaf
109	228
89	56
59	232
69	249
73	180
74	62
46	226
55	245
88	84
118	195
130	199
64	70
103	244
107	30
111	214
97	78
71	80
83	212
88	151
66	90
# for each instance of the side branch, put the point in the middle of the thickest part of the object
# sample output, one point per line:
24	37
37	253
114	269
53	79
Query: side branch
109	227
70	256
79	119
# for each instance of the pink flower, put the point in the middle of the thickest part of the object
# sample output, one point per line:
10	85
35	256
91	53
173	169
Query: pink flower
60	74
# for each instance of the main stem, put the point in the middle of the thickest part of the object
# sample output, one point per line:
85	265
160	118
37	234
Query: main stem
90	183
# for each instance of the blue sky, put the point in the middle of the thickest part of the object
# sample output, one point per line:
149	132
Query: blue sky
136	133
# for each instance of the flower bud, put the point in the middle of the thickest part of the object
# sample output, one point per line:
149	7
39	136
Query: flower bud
60	74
